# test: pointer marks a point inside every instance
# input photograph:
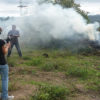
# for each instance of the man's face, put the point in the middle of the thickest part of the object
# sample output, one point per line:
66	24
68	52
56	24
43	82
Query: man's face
13	27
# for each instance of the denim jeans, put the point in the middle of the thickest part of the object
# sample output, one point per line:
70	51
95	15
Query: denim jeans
4	76
17	47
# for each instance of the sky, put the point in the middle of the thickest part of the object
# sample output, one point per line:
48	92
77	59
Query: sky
10	7
91	6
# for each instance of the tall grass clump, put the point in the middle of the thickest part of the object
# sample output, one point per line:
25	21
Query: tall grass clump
34	62
49	66
80	72
27	58
51	93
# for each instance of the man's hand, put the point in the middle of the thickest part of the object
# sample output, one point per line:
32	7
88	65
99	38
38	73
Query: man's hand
5	48
16	36
8	44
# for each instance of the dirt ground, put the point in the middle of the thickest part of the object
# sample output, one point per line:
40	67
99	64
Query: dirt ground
24	91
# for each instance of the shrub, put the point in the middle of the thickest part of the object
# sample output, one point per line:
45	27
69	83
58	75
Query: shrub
51	93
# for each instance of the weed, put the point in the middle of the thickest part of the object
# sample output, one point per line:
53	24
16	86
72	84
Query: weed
94	84
27	70
49	66
26	58
12	62
13	86
51	93
34	62
81	72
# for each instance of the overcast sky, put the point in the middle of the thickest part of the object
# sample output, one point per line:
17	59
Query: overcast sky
9	7
91	6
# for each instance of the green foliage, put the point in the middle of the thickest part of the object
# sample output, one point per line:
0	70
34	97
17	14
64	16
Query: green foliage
27	70
51	93
86	51
49	66
71	4
26	58
93	84
67	3
12	62
80	72
83	13
34	62
84	70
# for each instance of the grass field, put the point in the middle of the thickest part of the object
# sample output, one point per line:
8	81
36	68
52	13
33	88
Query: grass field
54	75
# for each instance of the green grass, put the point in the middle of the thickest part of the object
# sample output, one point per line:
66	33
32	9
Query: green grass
47	92
77	72
49	66
34	62
27	71
68	70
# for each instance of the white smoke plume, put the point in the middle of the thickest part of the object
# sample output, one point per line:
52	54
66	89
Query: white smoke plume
46	22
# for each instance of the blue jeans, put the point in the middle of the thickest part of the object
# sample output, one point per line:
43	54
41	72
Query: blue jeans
4	76
17	47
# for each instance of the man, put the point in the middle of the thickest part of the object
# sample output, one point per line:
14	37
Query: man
14	34
4	69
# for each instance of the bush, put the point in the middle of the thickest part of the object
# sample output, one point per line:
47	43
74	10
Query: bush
51	93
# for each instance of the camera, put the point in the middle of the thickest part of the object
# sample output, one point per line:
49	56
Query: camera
8	39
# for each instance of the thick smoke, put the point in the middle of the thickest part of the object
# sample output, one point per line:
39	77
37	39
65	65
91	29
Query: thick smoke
47	25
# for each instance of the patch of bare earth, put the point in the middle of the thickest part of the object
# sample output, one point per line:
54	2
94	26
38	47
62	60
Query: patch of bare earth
24	92
55	78
85	97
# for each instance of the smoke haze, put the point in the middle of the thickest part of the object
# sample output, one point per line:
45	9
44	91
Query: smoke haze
48	25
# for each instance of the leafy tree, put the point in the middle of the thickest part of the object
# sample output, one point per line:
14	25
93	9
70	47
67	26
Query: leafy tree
69	4
65	3
81	12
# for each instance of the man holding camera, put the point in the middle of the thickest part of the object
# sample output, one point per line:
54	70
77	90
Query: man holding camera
13	35
4	69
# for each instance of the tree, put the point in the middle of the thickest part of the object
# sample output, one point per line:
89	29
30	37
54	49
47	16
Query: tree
69	4
65	3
